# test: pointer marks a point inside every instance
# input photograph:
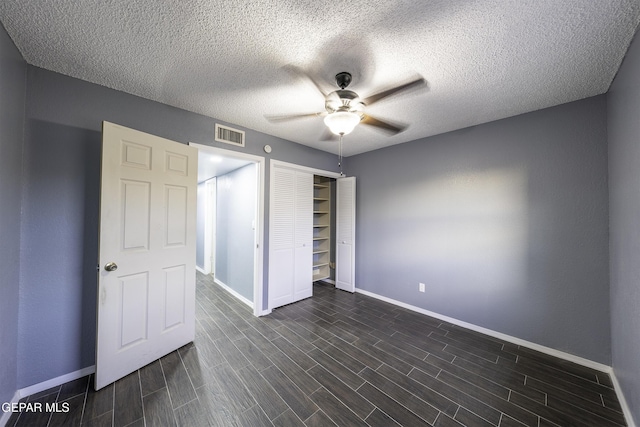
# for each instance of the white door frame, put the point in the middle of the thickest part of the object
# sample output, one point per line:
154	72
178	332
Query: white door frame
293	166
258	260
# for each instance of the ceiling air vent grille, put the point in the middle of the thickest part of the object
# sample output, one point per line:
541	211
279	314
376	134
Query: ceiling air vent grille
229	135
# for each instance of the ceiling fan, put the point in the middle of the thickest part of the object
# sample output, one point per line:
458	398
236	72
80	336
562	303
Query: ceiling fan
345	109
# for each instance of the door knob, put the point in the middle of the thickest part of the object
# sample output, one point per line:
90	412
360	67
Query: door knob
111	266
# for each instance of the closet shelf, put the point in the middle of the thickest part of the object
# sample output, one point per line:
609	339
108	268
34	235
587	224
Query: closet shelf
319	276
322	213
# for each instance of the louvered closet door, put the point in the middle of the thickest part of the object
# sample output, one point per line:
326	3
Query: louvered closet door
346	234
303	282
290	237
281	237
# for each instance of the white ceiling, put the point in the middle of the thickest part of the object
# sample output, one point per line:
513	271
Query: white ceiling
483	60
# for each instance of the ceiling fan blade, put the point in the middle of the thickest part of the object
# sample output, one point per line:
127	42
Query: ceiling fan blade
392	128
413	84
301	73
289	117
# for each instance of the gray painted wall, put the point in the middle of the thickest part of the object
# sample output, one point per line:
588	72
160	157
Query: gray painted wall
624	168
200	225
60	208
235	236
506	224
12	102
59	250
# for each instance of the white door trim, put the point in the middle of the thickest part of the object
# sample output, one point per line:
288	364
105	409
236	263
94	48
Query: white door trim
328	174
258	265
210	226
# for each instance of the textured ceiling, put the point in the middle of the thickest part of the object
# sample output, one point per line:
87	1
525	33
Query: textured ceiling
483	60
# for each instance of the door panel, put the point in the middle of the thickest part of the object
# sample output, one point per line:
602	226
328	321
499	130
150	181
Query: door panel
175	221
135	215
344	263
281	277
175	286
134	294
146	307
345	233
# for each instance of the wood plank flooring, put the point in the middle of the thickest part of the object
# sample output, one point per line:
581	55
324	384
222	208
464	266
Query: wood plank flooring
337	359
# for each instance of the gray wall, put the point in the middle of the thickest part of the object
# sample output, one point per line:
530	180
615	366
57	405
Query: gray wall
60	208
59	250
624	168
200	224
506	224
12	103
235	236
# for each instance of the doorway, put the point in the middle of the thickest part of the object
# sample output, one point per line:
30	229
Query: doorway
230	221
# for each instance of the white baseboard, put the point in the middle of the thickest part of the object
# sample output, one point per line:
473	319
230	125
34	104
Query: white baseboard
45	385
623	402
4	419
234	293
201	270
54	382
543	349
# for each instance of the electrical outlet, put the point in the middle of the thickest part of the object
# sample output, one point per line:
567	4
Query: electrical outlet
421	287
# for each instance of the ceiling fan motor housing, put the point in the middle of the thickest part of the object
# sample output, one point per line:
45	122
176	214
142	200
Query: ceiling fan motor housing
344	100
343	79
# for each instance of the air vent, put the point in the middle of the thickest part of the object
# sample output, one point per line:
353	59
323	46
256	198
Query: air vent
229	135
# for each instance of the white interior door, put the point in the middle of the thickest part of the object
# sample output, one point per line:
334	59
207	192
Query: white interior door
346	234
146	279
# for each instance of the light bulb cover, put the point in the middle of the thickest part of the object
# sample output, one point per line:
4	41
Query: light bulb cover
342	122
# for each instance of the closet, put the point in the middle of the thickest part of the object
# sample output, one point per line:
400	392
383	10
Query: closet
323	224
311	232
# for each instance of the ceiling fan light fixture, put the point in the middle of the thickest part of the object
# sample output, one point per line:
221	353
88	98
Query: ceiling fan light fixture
342	122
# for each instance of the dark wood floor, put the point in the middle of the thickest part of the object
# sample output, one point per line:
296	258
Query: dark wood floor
337	359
